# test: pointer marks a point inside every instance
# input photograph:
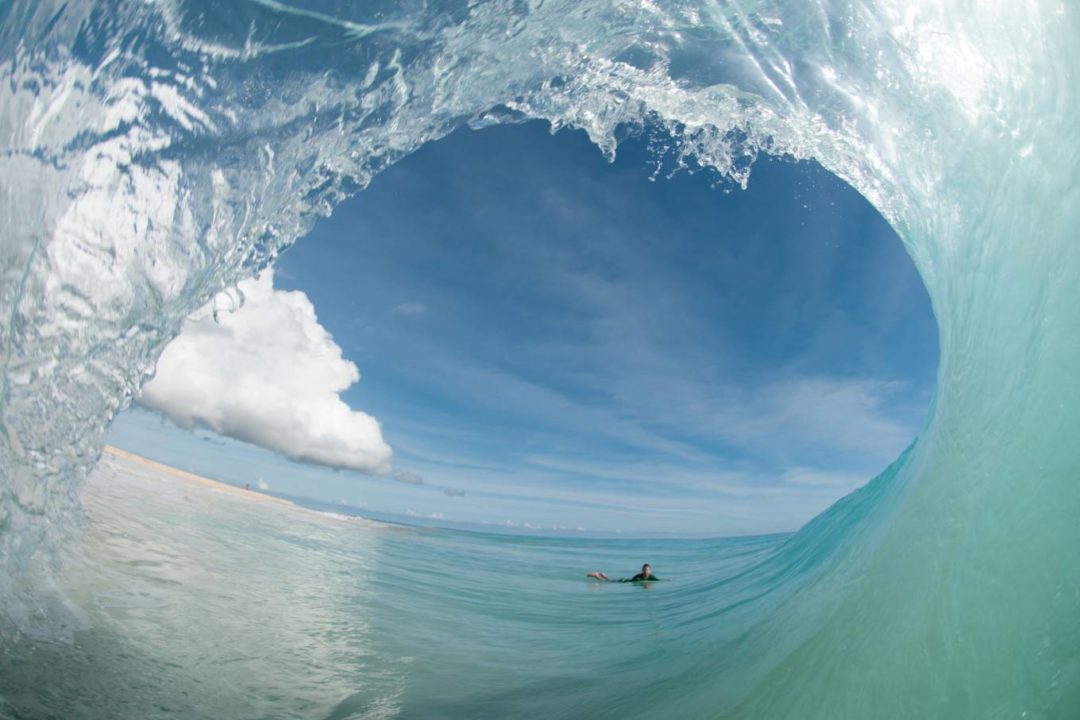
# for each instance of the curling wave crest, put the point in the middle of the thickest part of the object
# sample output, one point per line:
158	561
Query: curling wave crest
157	152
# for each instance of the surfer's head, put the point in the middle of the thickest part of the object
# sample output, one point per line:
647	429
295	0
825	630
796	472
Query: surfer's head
646	569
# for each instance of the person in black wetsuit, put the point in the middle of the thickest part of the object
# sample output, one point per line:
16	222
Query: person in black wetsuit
644	576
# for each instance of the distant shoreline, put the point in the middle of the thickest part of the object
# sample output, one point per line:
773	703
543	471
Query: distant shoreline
327	509
197	479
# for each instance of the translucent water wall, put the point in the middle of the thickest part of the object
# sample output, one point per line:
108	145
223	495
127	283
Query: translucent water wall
156	152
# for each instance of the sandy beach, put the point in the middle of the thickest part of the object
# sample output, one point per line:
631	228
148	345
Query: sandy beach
191	477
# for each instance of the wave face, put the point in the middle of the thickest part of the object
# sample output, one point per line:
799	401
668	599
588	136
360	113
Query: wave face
157	152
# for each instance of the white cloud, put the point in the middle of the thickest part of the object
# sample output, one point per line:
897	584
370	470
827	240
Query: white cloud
411	308
268	373
427	516
262	484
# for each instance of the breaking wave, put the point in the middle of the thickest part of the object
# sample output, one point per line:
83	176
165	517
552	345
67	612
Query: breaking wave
158	152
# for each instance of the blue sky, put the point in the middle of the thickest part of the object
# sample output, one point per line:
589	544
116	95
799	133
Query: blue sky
549	340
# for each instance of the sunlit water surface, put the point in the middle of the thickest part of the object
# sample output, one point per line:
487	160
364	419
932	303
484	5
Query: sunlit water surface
204	604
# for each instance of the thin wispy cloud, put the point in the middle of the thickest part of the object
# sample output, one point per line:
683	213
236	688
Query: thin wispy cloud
673	414
411	308
408	477
822	416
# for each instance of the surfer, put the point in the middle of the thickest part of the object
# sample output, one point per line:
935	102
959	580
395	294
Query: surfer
644	576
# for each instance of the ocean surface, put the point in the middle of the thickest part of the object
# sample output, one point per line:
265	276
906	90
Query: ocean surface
155	152
196	603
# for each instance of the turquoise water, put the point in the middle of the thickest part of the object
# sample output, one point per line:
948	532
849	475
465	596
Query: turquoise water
156	152
202	604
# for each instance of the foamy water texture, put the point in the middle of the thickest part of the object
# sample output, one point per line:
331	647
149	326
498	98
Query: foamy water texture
156	152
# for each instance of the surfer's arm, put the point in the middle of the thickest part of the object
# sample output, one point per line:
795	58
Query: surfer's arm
599	576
